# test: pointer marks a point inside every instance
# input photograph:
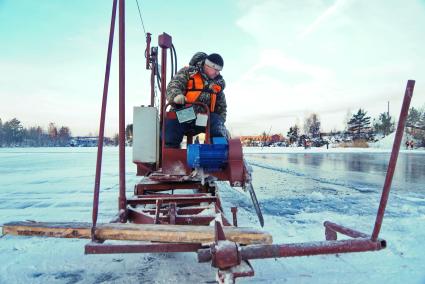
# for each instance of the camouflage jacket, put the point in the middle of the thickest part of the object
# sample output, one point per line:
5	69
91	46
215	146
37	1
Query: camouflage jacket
177	86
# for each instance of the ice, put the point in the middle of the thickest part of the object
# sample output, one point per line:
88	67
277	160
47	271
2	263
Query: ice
297	189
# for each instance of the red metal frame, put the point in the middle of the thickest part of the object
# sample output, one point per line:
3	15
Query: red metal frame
394	155
96	248
102	120
182	208
121	199
225	254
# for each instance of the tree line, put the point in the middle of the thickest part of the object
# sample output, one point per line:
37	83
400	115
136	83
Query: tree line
360	127
13	134
415	125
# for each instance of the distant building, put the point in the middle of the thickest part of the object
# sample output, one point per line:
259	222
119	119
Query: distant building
263	140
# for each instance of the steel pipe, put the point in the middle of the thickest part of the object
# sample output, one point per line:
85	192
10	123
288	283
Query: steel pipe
344	230
96	248
300	249
393	160
102	120
122	199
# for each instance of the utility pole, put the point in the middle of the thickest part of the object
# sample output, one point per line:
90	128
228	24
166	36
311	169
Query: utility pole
388	109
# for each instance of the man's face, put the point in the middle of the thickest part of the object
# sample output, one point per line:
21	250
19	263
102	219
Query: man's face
211	72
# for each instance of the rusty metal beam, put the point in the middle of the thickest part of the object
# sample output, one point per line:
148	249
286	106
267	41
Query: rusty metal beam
142	187
178	200
393	160
122	197
180	211
140	217
157	211
343	230
300	249
97	248
102	119
172	213
166	195
234	215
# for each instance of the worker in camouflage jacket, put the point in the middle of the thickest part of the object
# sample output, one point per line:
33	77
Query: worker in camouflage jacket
199	82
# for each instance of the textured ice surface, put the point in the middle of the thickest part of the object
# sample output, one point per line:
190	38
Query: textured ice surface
298	190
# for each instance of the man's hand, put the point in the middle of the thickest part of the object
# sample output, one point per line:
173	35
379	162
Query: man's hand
180	99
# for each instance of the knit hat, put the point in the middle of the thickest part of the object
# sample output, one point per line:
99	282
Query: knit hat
215	61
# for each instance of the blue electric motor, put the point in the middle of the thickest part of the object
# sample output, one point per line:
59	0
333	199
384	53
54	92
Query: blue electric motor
210	157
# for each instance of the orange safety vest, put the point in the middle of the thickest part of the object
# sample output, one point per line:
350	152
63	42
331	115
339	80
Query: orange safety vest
195	86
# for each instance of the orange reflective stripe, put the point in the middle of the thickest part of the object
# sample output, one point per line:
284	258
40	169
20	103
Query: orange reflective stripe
216	88
195	86
213	99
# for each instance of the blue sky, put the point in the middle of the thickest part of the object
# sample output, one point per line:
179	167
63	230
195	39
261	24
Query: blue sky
283	59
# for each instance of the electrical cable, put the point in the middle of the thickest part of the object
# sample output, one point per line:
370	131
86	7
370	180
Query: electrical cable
175	58
158	75
140	15
172	62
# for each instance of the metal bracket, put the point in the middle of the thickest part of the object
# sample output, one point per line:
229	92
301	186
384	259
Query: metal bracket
229	275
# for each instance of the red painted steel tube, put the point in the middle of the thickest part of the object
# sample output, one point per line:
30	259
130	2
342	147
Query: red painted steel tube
102	120
138	217
140	189
178	200
180	211
172	213
313	248
393	160
148	50
165	42
167	195
153	73
157	211
122	198
96	248
299	249
234	215
344	230
163	94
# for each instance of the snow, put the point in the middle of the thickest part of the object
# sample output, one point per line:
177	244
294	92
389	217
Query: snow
387	142
298	190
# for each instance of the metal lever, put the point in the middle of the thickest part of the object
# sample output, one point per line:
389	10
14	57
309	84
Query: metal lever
248	186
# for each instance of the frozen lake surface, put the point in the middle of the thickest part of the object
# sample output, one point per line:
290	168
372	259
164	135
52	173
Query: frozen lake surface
298	191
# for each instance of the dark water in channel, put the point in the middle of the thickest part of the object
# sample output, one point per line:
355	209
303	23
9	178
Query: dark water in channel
357	169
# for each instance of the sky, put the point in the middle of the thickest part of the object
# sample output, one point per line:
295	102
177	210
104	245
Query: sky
283	60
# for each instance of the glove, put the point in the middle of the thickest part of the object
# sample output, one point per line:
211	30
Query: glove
180	99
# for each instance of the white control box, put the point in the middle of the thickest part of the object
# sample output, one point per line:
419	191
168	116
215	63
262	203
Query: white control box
145	134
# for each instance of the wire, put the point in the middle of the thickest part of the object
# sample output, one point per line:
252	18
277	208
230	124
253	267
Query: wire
140	15
158	75
175	58
172	62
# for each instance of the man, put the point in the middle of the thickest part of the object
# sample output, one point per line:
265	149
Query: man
199	82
